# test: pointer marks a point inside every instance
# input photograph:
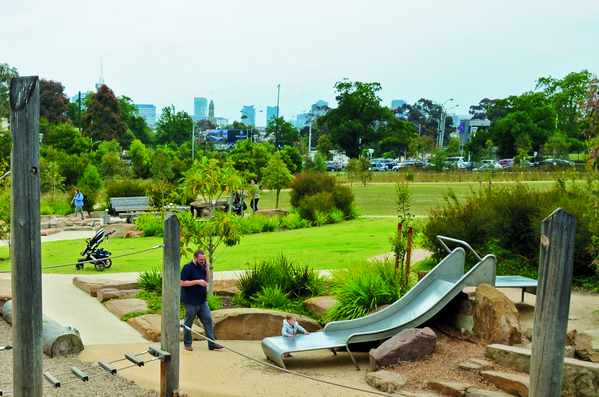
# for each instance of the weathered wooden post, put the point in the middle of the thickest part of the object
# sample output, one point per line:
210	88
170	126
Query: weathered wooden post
26	238
171	301
552	304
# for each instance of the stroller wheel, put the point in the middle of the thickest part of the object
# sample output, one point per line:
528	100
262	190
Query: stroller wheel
99	266
107	263
79	266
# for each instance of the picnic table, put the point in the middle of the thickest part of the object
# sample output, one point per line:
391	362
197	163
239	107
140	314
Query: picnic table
201	208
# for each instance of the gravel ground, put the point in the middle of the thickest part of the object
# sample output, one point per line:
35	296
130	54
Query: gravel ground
60	367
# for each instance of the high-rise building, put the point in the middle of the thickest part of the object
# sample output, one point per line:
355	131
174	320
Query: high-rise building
396	104
271	113
200	109
221	122
321	103
211	112
148	112
250	115
301	120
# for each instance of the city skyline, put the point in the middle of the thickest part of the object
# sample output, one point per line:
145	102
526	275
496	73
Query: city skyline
465	50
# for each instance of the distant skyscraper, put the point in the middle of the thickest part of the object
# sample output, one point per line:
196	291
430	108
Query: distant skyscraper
148	112
221	122
301	120
211	112
321	103
200	109
397	103
271	113
250	114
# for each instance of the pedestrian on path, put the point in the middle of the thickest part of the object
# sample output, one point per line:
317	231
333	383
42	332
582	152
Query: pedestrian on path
78	201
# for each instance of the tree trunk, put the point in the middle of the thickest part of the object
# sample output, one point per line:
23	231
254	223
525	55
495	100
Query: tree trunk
56	339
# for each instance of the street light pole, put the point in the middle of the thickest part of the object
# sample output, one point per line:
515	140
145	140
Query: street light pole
277	127
441	129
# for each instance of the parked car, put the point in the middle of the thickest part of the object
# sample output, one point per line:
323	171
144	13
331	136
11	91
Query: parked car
408	163
379	167
506	163
333	167
553	163
488	165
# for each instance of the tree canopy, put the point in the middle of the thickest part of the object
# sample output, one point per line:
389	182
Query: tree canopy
173	126
53	101
103	116
6	74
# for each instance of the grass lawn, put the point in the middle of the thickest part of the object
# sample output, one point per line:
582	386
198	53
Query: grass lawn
379	198
325	247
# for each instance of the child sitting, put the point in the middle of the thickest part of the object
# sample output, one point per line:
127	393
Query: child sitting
290	328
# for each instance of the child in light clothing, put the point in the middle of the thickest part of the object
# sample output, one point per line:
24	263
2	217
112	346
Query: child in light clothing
290	328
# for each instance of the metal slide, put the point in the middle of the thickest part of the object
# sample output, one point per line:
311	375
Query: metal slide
421	303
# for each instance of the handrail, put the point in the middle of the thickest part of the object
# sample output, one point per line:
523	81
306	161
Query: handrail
441	238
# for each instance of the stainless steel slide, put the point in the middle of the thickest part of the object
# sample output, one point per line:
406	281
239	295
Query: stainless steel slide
420	304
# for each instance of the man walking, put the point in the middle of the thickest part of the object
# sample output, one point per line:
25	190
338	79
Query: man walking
78	201
195	277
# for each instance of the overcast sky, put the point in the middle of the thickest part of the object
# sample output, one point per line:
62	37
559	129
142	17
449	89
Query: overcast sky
235	52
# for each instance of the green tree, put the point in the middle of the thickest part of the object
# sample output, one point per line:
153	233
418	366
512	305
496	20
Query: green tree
111	165
276	176
353	124
397	136
287	134
51	178
68	138
173	126
250	158
523	145
162	166
91	179
557	146
208	181
103	116
421	147
320	164
364	170
324	147
140	159
292	158
352	171
6	75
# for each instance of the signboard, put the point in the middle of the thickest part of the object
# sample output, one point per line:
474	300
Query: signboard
227	136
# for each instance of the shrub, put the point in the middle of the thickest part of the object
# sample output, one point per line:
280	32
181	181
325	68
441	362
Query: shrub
320	218
364	286
271	297
150	281
150	224
126	188
336	216
320	202
291	221
215	302
310	184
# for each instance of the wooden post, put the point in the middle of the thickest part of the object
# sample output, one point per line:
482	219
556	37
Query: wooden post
409	254
171	298
26	238
552	304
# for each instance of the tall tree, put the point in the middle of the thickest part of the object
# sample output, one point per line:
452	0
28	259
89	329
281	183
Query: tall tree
353	124
53	101
173	126
6	74
103	116
140	159
287	134
397	136
249	158
324	147
68	138
479	112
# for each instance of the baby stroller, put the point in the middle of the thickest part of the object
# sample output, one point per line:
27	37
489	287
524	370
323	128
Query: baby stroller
91	252
236	207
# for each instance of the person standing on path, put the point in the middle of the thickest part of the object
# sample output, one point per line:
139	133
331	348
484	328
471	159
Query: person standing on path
78	201
255	192
195	277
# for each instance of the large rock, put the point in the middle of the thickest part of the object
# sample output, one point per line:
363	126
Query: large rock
450	389
386	381
273	212
121	229
587	345
49	232
320	305
5	291
123	307
91	285
254	324
496	318
105	294
515	384
409	344
580	378
225	287
150	327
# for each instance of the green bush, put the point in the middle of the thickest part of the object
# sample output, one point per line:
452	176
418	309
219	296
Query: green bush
271	297
364	286
150	281
321	203
126	188
336	216
151	225
215	302
294	280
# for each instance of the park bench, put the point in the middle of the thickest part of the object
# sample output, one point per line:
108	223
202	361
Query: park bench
121	206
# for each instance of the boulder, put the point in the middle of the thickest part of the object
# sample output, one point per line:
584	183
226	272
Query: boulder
515	384
254	324
273	212
48	232
386	381
580	378
225	287
450	389
473	367
422	273
496	318
123	307
96	214
5	291
570	336
587	345
105	294
320	305
121	229
485	393
150	327
409	344
91	285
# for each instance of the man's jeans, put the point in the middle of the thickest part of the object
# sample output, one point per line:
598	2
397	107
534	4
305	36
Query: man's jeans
202	311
